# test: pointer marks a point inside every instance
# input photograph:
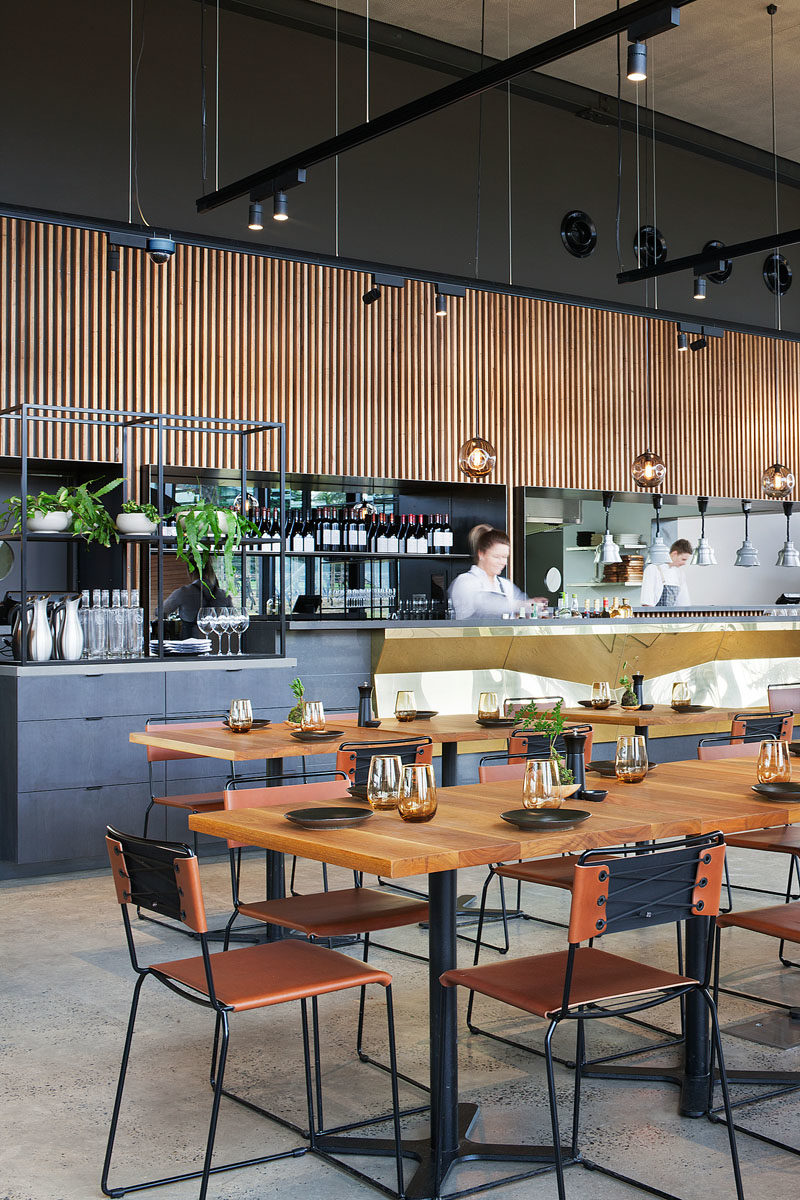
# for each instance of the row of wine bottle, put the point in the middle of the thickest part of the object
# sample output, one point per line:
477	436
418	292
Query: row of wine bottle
340	529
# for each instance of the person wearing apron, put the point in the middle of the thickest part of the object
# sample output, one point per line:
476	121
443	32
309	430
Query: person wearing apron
483	591
665	586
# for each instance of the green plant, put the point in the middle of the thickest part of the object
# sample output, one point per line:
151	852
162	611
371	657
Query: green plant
199	530
147	510
298	691
550	723
90	519
625	681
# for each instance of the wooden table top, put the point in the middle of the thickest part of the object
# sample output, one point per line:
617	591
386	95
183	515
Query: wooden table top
277	742
676	798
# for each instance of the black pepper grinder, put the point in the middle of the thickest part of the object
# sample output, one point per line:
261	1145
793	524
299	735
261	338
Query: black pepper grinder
638	681
365	704
575	742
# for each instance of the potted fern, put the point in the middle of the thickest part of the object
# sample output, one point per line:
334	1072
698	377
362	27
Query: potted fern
202	527
137	518
77	509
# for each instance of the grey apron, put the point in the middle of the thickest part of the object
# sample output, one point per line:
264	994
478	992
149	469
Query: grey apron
668	597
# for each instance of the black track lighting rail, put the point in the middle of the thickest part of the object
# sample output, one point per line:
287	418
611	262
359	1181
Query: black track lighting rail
702	263
605	27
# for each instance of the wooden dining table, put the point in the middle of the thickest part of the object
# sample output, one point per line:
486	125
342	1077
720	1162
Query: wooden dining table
468	830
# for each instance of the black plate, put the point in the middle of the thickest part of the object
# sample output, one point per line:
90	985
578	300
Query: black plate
260	724
545	818
425	714
600	707
316	735
358	791
779	791
496	722
328	818
606	767
688	708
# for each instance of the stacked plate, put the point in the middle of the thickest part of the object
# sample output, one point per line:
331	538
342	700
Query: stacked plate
184	646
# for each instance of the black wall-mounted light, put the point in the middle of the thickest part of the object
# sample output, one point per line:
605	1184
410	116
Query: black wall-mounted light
699	343
699	289
372	295
112	258
381	280
440	306
683	341
255	219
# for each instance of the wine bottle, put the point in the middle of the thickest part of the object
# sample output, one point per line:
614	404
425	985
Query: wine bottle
309	535
402	534
335	535
297	543
381	542
447	536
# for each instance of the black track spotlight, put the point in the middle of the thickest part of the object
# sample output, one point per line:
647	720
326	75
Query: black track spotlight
280	207
683	341
372	295
441	305
637	62
699	289
112	258
256	218
699	343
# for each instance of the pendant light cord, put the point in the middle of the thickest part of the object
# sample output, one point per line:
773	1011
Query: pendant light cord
216	111
508	146
772	9
651	85
366	55
336	128
618	221
133	125
203	101
480	150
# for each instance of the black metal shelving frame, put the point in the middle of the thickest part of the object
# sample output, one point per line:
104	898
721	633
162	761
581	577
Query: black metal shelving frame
129	422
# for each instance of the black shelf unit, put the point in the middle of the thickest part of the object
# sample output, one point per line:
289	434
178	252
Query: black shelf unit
127	423
464	505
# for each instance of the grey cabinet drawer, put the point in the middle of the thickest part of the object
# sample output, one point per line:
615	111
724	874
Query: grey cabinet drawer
59	825
79	753
55	697
212	691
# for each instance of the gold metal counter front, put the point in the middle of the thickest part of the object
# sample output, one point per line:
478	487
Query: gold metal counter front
726	663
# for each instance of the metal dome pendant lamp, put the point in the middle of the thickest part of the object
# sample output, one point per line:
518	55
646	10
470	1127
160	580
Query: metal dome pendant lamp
704	555
747	555
658	551
777	480
789	556
608	550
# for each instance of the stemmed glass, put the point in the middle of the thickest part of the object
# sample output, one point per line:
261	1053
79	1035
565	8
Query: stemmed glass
228	616
206	619
240	624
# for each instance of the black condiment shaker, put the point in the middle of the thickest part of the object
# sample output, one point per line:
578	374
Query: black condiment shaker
638	681
575	742
364	703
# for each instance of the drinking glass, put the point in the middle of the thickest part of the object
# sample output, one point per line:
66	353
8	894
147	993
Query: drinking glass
240	717
488	705
313	717
383	781
417	801
630	764
405	706
540	785
774	764
681	696
601	691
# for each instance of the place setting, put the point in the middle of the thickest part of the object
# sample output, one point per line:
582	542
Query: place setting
543	796
313	727
408	789
774	773
489	713
405	708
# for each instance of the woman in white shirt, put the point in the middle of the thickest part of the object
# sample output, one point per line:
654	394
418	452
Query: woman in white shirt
481	591
665	586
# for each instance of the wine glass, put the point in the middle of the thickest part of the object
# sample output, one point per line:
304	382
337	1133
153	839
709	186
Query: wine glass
225	622
681	696
313	718
206	619
774	764
241	624
540	785
240	716
630	764
488	706
418	800
405	706
383	781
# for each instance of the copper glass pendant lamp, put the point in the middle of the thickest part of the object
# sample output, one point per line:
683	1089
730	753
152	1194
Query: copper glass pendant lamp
648	469
777	480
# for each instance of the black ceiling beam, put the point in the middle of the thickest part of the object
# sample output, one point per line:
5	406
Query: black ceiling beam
702	263
490	77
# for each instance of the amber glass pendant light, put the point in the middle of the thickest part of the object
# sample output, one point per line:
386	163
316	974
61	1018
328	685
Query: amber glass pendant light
477	458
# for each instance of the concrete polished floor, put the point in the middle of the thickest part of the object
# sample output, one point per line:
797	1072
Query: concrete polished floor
66	985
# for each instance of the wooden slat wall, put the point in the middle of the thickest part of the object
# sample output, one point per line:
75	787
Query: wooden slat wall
386	390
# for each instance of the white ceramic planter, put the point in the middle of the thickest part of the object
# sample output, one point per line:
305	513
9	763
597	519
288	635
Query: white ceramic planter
222	518
52	522
134	523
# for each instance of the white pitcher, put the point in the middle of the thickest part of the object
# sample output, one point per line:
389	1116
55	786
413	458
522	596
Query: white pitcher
70	634
40	637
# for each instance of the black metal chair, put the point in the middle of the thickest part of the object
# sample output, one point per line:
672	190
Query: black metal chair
615	890
164	877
